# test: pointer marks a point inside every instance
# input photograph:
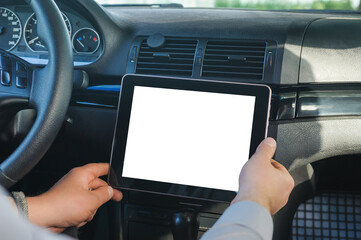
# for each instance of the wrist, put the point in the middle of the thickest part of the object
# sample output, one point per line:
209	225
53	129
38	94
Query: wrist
40	211
261	201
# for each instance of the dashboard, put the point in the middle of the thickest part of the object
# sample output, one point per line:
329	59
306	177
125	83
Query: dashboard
19	35
309	59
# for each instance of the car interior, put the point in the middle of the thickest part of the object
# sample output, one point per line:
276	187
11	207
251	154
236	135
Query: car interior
60	78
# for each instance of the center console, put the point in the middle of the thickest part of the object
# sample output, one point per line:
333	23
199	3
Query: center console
151	216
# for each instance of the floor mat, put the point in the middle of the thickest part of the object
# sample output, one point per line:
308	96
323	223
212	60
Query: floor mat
328	216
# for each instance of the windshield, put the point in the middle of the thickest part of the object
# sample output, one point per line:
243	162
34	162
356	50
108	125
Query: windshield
251	4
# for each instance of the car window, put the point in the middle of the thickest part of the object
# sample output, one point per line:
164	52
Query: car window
250	4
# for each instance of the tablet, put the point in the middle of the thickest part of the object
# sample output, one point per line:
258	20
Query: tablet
186	137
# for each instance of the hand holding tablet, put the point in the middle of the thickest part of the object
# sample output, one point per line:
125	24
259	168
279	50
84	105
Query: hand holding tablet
185	137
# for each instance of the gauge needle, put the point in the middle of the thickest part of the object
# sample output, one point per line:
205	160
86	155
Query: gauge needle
81	44
40	45
33	40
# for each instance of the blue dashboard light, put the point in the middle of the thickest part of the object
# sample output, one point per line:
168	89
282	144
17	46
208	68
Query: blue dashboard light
108	88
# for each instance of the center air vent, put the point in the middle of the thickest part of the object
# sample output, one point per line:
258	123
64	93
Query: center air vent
234	59
174	58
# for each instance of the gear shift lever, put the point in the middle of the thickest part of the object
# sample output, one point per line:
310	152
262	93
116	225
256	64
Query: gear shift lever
185	225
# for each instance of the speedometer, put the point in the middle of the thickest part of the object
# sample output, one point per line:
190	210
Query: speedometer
10	29
31	36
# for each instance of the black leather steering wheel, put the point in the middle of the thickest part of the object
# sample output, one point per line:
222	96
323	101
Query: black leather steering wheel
46	89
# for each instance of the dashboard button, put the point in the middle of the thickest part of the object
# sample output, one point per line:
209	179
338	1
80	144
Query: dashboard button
21	82
5	78
20	67
4	63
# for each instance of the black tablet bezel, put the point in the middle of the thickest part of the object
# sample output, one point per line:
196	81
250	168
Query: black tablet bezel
259	131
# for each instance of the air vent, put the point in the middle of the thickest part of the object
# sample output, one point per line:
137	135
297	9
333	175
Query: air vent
234	59
174	58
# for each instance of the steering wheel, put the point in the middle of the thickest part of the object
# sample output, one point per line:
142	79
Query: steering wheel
46	89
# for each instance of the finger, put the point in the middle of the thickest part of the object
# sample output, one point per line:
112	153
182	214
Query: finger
96	183
266	149
97	169
279	166
91	217
117	196
103	195
81	224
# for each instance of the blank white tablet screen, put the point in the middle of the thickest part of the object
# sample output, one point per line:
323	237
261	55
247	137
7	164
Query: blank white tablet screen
188	137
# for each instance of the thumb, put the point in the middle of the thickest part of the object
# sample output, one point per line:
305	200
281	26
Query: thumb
103	194
266	149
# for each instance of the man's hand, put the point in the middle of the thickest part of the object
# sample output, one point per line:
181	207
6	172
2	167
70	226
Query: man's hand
74	200
265	181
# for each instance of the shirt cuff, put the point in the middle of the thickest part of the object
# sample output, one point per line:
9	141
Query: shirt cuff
251	215
21	203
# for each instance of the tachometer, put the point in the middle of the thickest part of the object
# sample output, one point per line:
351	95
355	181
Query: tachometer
31	36
10	29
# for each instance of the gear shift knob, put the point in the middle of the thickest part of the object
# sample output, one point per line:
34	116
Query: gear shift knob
185	225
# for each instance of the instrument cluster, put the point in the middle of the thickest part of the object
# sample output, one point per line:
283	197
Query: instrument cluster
18	34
